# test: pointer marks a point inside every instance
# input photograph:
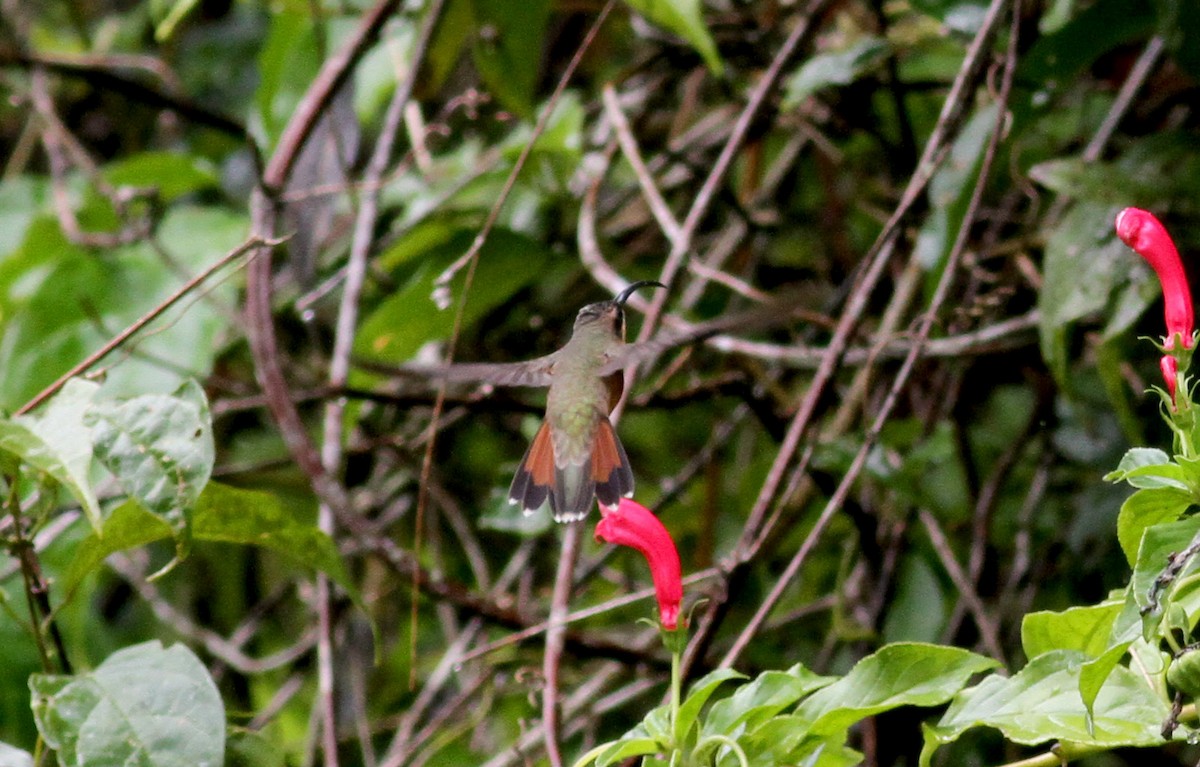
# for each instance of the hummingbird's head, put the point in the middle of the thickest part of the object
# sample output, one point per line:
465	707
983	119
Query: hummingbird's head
610	315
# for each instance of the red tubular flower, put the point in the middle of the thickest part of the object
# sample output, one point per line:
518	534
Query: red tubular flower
632	524
1144	233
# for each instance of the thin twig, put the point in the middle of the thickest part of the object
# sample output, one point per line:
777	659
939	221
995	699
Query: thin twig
658	206
999	335
988	630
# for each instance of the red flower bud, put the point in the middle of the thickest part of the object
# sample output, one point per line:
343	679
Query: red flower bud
1144	233
632	524
1169	368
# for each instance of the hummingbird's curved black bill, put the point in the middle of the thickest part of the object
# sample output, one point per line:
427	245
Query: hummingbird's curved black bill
624	295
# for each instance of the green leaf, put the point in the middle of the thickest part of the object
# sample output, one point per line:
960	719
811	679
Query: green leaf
917	610
1152	477
23	199
1086	629
627	748
1092	676
446	46
840	67
287	63
508	49
964	16
58	442
62	303
144	705
249	748
786	740
222	514
950	189
897	675
171	174
1042	703
767	695
1138	458
1158	544
160	449
128	526
1082	244
408	318
686	19
11	756
1145	509
701	691
1055	59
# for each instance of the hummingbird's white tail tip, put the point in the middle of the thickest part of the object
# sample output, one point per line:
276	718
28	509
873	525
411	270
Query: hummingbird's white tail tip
570	517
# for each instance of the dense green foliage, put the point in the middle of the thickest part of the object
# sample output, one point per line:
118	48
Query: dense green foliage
212	537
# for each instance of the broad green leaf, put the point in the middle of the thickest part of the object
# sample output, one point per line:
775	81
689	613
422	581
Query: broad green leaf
222	514
1151	468
250	748
1136	458
1055	59
767	695
627	748
11	756
508	48
170	174
950	189
1083	243
1092	676
917	610
897	675
786	740
23	199
1159	543
964	16
1042	703
1096	181
144	705
1086	629
1191	470
160	449
57	441
446	47
698	695
408	318
128	526
657	723
1143	510
287	62
833	68
64	303
686	19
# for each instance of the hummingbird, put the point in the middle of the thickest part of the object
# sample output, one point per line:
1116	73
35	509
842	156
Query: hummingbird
575	455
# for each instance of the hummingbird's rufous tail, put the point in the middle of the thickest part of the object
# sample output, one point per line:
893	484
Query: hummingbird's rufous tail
604	475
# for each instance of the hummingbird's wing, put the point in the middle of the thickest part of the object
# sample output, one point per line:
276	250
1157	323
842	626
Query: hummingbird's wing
772	314
536	372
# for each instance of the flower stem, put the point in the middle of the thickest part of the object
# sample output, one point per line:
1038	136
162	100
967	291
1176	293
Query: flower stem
676	652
